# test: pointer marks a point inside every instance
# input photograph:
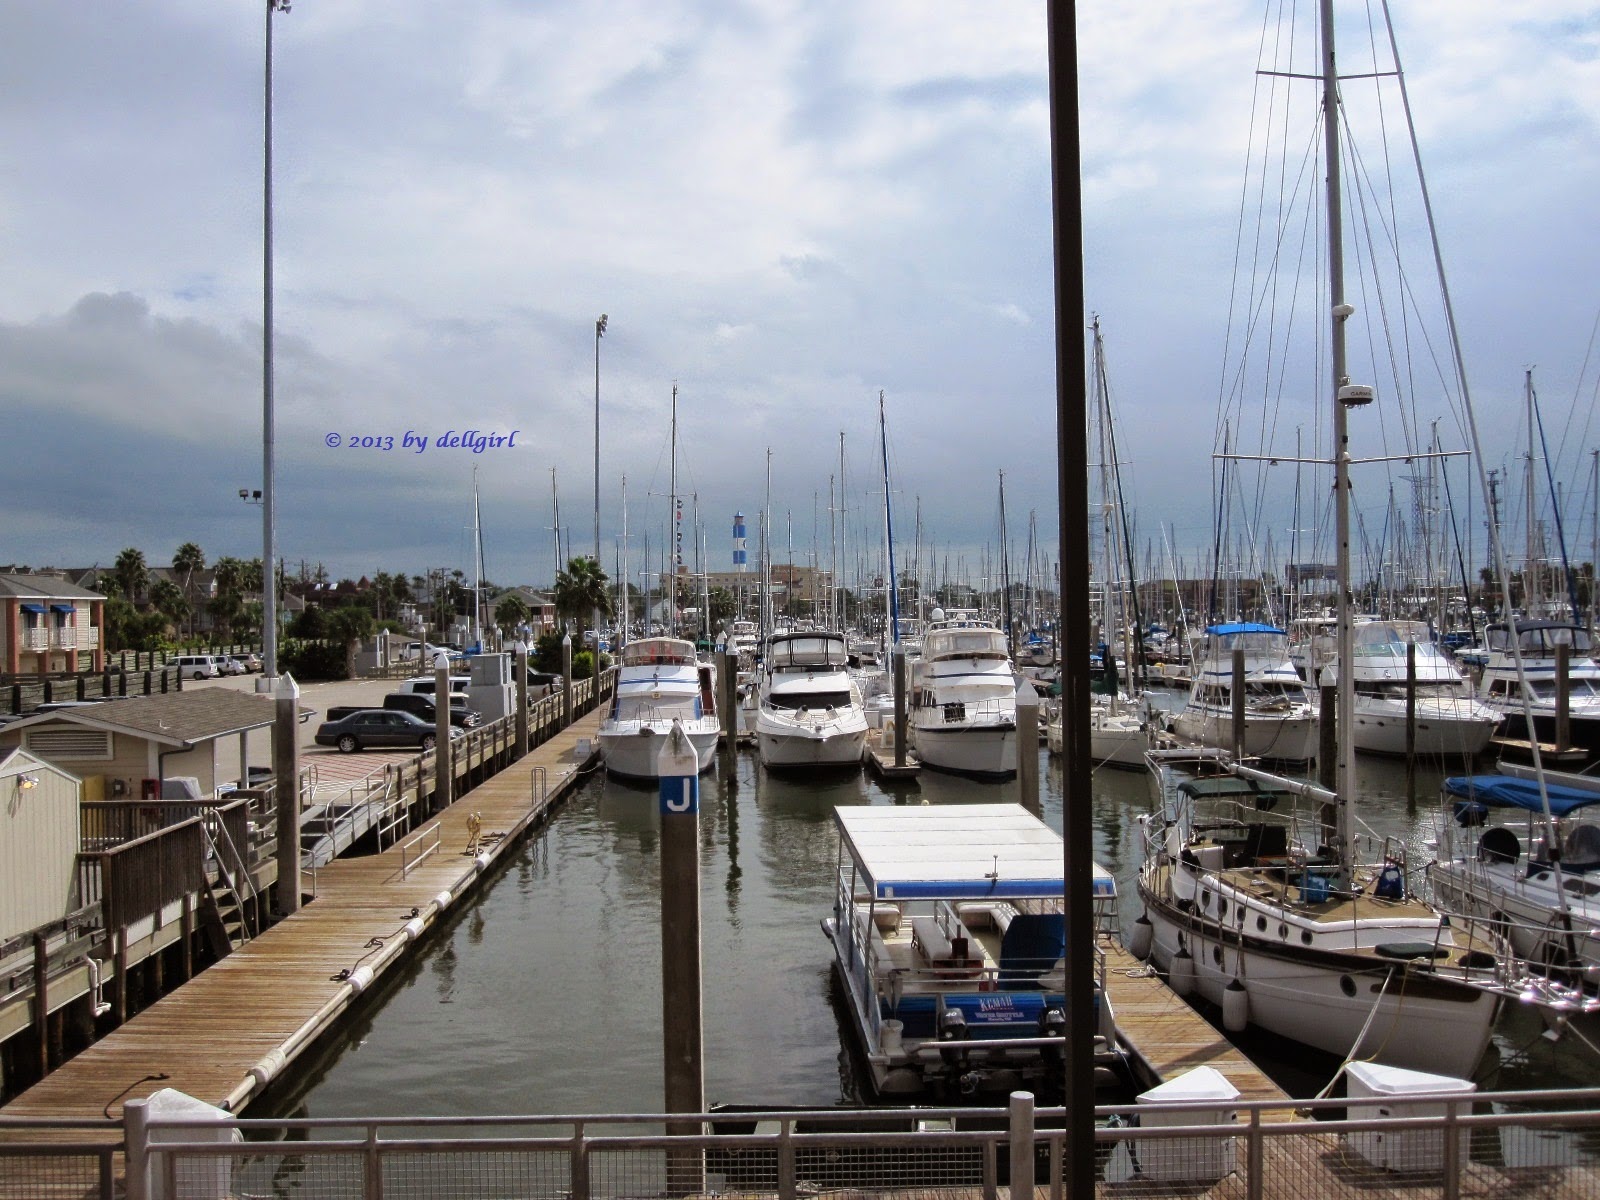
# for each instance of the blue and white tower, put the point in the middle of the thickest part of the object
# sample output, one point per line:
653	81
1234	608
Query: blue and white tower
741	560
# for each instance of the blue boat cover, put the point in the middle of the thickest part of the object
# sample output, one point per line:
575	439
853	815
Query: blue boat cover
1243	627
1519	793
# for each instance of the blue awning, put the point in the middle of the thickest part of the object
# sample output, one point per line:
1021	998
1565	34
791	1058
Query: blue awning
64	608
33	608
1520	793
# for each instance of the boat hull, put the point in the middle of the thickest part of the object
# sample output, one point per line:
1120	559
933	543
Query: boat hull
988	752
1280	739
631	752
1440	732
789	749
1327	1002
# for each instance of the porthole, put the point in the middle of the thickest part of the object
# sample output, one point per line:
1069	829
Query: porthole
1205	899
1222	907
1261	924
1216	955
1283	932
1347	985
1305	936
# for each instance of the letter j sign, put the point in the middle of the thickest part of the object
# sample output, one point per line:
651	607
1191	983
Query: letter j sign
680	794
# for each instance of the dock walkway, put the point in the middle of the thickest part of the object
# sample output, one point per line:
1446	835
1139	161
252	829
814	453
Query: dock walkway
1160	1028
241	1022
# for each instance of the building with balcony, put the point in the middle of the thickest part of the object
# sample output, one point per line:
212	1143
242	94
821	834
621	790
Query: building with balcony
49	626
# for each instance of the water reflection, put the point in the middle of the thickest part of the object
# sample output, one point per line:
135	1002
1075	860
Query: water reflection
542	993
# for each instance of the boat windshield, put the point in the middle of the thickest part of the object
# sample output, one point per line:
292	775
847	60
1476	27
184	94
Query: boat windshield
964	643
815	701
1541	640
656	708
658	652
1255	642
809	653
1380	637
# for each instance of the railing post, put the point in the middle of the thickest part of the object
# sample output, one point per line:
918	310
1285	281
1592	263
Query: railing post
578	1169
1452	1146
1254	1156
787	1174
372	1168
1021	1140
136	1144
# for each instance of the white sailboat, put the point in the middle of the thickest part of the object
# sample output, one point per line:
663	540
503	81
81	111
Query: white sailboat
1262	907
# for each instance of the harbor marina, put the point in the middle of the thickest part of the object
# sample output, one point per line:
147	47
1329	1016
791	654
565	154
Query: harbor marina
948	936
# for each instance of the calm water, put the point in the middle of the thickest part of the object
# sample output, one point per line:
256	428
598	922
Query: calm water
541	994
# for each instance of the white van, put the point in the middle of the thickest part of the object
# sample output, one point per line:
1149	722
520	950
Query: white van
422	685
198	666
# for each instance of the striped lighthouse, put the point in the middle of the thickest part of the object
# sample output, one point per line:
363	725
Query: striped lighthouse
741	560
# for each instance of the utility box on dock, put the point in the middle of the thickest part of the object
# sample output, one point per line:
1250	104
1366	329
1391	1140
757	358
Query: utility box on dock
1383	1087
196	1179
1192	1159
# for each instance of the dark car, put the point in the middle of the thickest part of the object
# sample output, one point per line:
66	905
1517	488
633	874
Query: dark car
543	683
377	728
422	706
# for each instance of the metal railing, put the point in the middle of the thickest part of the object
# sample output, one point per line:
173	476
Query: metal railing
418	847
1451	1147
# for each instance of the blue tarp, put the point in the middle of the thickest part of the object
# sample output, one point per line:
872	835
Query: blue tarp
1243	627
1519	793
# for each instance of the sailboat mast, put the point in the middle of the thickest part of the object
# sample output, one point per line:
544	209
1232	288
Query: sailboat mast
674	535
1344	709
1005	566
625	607
477	565
891	606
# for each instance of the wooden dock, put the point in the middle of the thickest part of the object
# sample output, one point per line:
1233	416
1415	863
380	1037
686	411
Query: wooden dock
878	754
227	1033
1167	1035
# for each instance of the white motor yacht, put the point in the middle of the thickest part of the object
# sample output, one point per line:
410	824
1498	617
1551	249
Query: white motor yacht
962	714
659	680
1280	722
809	711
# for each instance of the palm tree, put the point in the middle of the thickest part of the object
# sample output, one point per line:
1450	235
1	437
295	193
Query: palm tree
186	560
512	613
582	588
131	574
229	573
348	625
167	598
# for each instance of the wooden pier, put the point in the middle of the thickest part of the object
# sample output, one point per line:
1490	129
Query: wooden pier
878	754
231	1030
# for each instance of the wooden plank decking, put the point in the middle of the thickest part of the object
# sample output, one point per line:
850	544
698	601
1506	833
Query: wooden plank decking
224	1034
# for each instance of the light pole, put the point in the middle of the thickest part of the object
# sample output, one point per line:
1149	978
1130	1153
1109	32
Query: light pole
599	332
284	691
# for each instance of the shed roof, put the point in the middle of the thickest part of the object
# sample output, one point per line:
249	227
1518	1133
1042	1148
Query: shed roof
180	719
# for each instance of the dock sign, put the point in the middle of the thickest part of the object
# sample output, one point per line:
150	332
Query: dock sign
680	794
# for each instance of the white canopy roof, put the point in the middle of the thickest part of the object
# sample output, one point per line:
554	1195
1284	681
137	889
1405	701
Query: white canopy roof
957	851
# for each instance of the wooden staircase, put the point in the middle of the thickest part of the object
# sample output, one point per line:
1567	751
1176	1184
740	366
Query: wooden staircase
228	886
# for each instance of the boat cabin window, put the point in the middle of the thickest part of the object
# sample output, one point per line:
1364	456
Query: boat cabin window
648	708
657	652
809	652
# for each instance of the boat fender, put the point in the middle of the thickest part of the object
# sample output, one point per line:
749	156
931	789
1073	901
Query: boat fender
442	900
1143	936
413	928
266	1070
1180	972
1235	1007
360	979
482	860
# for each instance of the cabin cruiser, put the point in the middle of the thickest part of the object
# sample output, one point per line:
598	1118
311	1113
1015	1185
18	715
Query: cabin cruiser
1537	641
809	711
659	680
962	714
1280	722
1237	909
1447	721
948	938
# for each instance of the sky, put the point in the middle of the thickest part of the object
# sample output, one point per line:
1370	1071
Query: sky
782	208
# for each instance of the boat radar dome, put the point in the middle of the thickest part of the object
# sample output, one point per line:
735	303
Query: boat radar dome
1354	395
936	615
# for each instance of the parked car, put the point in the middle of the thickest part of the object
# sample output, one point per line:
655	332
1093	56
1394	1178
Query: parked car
250	660
197	666
228	665
543	683
377	728
423	706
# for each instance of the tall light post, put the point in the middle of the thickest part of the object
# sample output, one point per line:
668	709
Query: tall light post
284	692
599	332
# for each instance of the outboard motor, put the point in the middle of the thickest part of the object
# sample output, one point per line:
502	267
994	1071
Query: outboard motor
1053	1023
953	1032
